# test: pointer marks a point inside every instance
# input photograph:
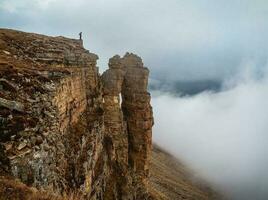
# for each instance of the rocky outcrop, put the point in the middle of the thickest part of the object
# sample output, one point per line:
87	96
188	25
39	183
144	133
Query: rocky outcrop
128	120
138	113
63	126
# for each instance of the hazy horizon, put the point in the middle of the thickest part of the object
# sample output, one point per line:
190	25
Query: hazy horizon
222	134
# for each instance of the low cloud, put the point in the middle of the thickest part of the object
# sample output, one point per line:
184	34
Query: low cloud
222	136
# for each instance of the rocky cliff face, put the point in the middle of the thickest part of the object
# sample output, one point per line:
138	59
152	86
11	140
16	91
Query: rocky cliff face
128	119
65	127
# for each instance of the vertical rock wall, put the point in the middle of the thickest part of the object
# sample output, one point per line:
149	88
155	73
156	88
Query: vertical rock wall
64	126
128	123
138	113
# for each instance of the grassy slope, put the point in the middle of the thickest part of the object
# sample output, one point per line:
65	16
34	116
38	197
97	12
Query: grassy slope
170	179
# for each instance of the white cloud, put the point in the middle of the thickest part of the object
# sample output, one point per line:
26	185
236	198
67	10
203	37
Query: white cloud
223	136
180	39
14	6
196	39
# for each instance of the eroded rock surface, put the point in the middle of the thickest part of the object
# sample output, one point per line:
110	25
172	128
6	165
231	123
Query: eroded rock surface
128	120
65	127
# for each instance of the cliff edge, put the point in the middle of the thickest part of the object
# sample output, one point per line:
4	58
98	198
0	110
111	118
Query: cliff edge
65	128
63	125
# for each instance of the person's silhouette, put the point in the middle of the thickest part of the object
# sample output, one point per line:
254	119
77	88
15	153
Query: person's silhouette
80	36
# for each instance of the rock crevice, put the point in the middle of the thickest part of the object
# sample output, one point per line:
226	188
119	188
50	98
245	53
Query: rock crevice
128	117
65	126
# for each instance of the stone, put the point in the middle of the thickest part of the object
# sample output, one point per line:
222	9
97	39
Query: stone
45	133
33	140
23	134
12	105
8	146
32	100
39	140
8	85
46	147
37	148
82	131
13	137
12	157
37	155
48	114
49	87
6	52
22	145
24	152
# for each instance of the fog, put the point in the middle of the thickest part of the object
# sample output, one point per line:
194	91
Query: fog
177	39
221	136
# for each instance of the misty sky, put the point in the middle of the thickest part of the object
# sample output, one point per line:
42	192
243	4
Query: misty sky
222	136
178	39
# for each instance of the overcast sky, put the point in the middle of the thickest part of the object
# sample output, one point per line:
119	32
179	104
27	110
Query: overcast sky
221	135
178	39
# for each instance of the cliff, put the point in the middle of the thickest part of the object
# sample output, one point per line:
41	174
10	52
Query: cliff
65	128
63	125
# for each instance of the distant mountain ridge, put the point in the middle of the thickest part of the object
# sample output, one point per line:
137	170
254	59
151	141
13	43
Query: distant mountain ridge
183	88
65	133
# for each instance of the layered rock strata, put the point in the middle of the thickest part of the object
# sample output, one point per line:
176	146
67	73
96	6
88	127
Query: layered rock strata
65	127
128	119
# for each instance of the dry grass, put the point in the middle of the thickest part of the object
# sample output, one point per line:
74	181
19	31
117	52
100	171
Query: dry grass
11	189
170	179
